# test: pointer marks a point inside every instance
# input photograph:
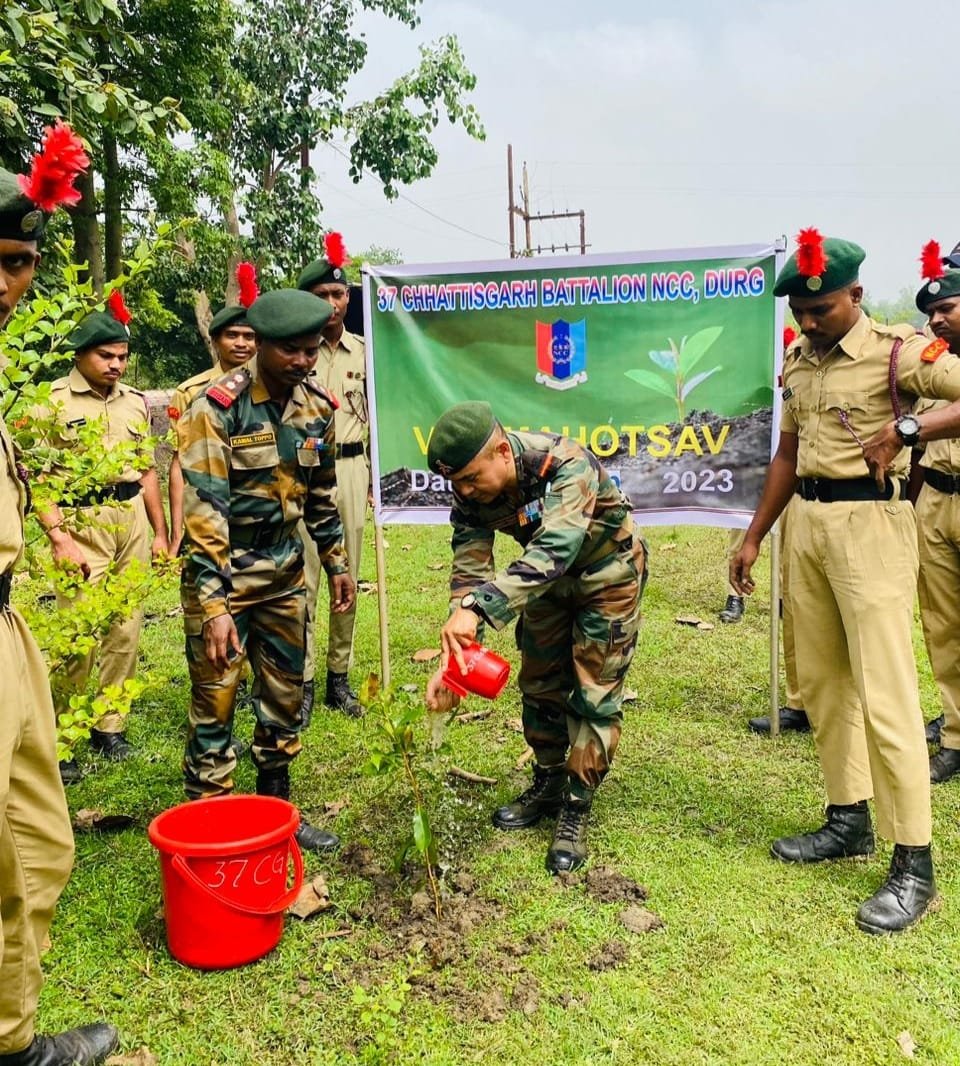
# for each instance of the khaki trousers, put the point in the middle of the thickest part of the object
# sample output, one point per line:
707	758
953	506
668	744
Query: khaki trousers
938	537
121	534
852	577
353	483
36	840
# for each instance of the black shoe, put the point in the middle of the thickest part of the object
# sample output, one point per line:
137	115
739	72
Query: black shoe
274	783
733	609
70	772
905	897
238	747
306	705
932	730
310	838
847	834
569	848
944	765
543	797
112	746
340	696
792	720
86	1046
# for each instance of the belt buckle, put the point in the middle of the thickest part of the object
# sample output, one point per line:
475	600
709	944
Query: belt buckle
821	490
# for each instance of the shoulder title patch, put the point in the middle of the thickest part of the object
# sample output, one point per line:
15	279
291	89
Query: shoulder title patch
225	390
934	350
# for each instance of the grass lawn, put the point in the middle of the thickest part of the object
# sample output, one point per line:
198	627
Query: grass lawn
756	962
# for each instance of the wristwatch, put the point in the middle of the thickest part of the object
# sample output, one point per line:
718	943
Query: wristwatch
908	430
469	603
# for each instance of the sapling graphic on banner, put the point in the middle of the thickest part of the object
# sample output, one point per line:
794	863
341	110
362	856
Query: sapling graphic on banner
663	364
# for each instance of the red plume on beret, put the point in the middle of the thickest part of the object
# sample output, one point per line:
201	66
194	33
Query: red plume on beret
247	280
54	169
334	250
811	259
118	308
789	336
931	266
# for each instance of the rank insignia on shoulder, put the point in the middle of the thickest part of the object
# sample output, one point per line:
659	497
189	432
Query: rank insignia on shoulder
225	390
934	350
315	387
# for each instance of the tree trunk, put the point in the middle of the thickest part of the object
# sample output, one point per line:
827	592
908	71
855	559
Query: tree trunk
201	302
231	222
86	231
112	207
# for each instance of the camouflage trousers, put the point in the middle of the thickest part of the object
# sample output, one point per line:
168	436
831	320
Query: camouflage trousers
576	642
271	629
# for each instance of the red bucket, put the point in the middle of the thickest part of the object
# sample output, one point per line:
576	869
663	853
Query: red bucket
224	867
487	674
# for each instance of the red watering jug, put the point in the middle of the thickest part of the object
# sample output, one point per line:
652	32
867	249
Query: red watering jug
487	673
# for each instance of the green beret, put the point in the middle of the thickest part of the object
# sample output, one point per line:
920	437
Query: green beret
843	268
459	436
320	272
286	313
99	327
939	289
231	315
20	218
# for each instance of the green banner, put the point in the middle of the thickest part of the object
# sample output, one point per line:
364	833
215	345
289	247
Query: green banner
663	364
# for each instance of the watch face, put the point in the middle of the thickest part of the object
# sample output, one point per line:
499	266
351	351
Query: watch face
468	601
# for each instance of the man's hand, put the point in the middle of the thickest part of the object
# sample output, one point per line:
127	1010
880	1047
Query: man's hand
459	631
220	638
880	451
741	565
440	700
175	541
342	592
68	554
160	548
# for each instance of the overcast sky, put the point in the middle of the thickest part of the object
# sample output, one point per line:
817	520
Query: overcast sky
679	125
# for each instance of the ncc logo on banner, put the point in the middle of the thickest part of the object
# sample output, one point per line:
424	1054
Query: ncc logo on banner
561	354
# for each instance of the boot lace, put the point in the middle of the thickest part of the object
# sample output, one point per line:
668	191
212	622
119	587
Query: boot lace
568	824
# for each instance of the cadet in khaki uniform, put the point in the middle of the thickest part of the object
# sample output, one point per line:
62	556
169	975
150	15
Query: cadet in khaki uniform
36	839
938	528
234	343
576	587
120	516
341	369
853	565
257	456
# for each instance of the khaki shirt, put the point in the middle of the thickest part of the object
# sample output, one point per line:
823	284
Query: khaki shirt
852	382
124	414
187	391
342	370
943	455
12	502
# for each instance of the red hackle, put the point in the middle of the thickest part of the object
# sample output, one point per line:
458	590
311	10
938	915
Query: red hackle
118	307
247	280
789	336
334	250
811	258
54	169
931	264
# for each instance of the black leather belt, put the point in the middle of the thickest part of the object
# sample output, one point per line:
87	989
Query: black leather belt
349	451
260	536
937	479
121	491
835	490
6	580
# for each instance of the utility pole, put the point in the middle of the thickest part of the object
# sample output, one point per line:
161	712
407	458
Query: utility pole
524	213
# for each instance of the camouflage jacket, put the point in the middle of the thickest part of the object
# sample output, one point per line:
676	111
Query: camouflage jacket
251	472
569	515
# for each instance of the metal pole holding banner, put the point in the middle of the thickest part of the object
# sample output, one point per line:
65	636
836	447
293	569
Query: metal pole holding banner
775	631
382	604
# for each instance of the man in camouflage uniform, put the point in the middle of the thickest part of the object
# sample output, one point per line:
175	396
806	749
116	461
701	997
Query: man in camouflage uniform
576	587
36	839
845	436
116	520
234	343
257	450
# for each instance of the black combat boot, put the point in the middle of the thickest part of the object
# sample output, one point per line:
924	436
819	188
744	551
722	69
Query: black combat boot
277	783
944	765
340	696
543	797
847	834
904	899
86	1046
70	772
569	848
306	705
932	730
792	720
732	610
112	746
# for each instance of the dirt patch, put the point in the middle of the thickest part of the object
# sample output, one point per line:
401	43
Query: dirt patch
613	954
608	885
637	919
